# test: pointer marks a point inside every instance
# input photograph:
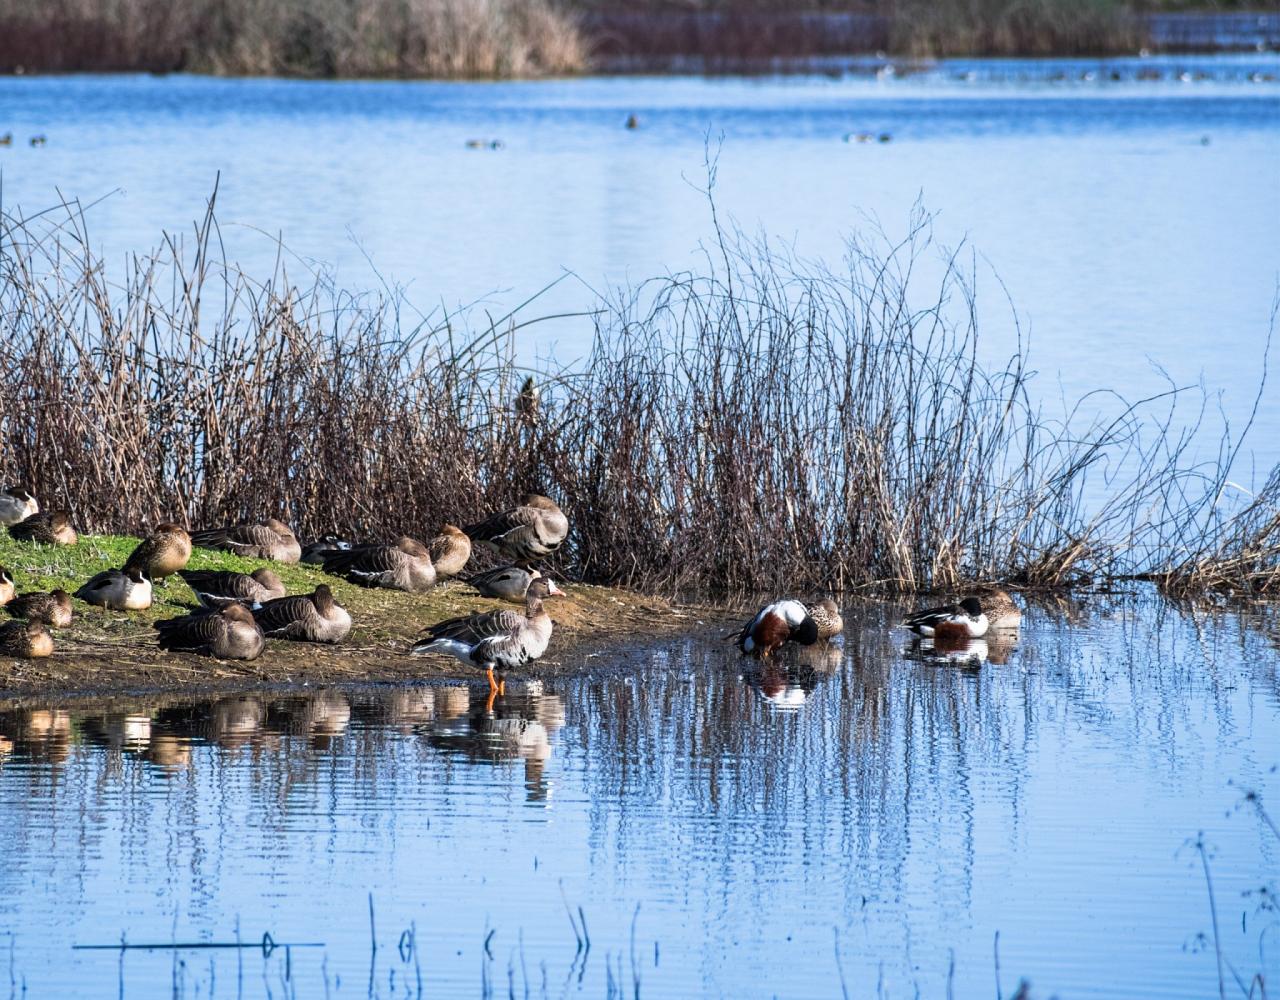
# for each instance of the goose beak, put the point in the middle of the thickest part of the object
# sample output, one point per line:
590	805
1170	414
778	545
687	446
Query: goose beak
553	590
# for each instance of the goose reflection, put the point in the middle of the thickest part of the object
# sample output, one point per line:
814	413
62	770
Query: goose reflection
42	734
128	731
319	718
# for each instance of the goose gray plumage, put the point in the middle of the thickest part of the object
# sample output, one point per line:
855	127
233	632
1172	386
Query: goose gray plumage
16	505
404	566
272	539
29	640
826	615
507	583
162	553
218	588
50	528
505	640
229	633
450	550
53	607
315	617
118	590
528	532
7	589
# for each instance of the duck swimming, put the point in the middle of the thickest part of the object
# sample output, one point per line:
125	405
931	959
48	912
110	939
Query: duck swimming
964	620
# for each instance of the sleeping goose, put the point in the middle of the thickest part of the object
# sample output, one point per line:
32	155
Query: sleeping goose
964	620
271	539
826	616
504	640
508	583
531	531
165	551
118	590
7	589
29	640
50	528
404	566
775	624
228	634
218	588
313	617
450	550
16	505
54	607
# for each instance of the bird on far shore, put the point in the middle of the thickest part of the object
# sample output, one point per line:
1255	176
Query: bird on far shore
48	528
449	550
774	625
313	553
162	553
952	621
16	505
54	607
229	633
532	530
405	565
271	539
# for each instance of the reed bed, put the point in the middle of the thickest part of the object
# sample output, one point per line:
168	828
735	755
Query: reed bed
763	422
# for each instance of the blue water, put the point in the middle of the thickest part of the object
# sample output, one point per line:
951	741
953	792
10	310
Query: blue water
863	813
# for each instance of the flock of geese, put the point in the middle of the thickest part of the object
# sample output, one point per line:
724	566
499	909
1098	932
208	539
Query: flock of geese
238	612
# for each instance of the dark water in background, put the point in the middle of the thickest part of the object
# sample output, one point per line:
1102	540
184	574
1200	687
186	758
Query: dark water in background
720	830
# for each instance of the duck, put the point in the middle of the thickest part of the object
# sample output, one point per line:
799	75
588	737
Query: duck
29	640
314	617
404	566
127	589
50	528
7	589
532	530
774	625
53	607
218	588
165	551
953	621
507	583
230	633
271	539
39	140
313	553
826	615
16	505
1000	610
449	550
6	139
504	640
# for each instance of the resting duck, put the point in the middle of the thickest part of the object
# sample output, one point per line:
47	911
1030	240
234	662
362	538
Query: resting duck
450	551
50	528
228	634
507	583
965	620
313	553
315	617
218	588
7	589
404	566
1000	610
53	607
826	616
29	640
16	505
531	531
118	590
164	552
271	539
505	640
776	624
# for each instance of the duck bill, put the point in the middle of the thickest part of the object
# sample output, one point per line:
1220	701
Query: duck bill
553	590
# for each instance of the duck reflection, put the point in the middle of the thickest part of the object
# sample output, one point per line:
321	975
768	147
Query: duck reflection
42	734
128	731
319	718
787	682
947	651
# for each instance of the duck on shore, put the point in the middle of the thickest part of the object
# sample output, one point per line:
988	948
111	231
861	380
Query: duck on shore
271	539
507	583
449	550
774	625
48	528
530	531
53	607
162	553
218	588
7	590
313	553
126	589
404	566
229	633
314	617
16	505
964	620
29	640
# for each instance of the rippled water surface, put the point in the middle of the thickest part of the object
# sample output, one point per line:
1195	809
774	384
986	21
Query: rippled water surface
864	811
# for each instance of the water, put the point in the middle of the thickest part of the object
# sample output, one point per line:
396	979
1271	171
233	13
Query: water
724	833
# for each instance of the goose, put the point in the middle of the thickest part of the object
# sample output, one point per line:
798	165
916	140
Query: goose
29	640
775	624
271	539
508	583
118	590
313	553
16	505
229	633
504	640
315	617
50	528
1000	610
165	551
826	616
7	589
404	566
532	530
964	620
450	550
53	607
218	588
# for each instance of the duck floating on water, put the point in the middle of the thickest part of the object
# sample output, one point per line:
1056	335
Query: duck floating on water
965	620
1000	610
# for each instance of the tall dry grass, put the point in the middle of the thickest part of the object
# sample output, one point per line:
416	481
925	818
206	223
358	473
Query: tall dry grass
761	423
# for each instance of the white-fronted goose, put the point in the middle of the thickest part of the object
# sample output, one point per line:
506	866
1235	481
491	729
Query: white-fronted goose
313	617
16	505
506	640
1000	610
272	539
450	550
965	620
404	566
526	533
313	553
775	624
118	590
53	607
50	528
218	588
228	634
29	640
826	615
7	589
162	553
507	583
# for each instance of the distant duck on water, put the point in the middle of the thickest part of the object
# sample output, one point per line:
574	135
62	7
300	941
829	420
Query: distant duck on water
774	625
1000	610
965	620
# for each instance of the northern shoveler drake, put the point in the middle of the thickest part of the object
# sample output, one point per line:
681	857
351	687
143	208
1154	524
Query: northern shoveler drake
450	550
218	588
50	528
827	616
16	505
774	625
29	640
165	551
964	620
314	617
54	607
229	633
272	539
502	640
118	590
404	566
532	530
1000	610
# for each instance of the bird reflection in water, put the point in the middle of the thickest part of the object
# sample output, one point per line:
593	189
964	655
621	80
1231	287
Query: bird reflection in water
42	734
787	682
995	647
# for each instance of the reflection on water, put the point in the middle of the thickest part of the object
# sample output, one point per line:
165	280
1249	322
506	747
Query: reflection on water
721	823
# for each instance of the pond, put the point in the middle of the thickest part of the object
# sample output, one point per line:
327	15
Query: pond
861	817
